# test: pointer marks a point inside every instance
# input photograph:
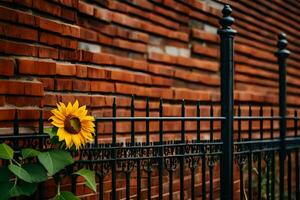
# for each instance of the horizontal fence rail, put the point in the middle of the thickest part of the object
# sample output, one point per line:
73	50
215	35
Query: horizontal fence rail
214	156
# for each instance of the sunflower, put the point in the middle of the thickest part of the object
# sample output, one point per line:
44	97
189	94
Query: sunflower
75	127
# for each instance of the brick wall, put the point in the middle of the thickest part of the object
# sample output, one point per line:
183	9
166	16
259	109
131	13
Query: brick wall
65	49
62	50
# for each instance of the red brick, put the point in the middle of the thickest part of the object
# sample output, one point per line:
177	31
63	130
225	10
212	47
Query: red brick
34	88
122	61
50	39
84	100
47	7
7	67
36	67
85	8
81	71
70	30
96	73
17	48
22	101
50	100
97	101
11	87
101	86
7	113
133	46
48	83
87	34
19	32
101	58
81	85
47	52
8	14
68	14
65	69
2	100
102	14
138	36
49	25
27	3
28	114
63	85
25	18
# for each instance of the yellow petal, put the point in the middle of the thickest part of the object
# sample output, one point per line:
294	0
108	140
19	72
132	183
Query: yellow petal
87	118
75	105
58	114
76	140
57	124
69	109
63	135
62	108
82	111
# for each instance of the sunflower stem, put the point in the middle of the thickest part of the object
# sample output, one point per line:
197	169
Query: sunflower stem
58	188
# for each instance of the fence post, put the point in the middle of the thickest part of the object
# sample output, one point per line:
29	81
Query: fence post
227	83
282	55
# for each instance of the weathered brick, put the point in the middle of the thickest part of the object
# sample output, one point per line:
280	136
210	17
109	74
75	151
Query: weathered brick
65	69
36	67
96	73
102	86
7	67
12	87
81	85
34	88
63	84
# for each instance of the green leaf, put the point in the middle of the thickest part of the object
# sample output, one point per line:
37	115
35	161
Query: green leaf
23	188
20	172
52	132
5	190
6	152
55	160
4	175
36	172
89	177
28	152
66	196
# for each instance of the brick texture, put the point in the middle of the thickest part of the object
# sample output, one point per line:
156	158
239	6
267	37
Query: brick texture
156	48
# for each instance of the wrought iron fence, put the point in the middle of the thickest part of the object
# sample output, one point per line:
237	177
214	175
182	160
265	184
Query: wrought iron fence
230	161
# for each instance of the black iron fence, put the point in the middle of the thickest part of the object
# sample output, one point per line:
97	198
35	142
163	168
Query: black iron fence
225	156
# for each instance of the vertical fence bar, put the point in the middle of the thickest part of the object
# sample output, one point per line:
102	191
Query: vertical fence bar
161	152
211	163
282	55
149	171
182	151
250	158
259	160
114	141
227	70
273	156
296	155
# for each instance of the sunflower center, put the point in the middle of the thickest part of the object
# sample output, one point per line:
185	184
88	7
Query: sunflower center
72	124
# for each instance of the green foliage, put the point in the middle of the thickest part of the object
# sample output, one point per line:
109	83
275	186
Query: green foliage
36	171
55	160
66	196
6	152
23	188
28	153
20	172
20	177
89	177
